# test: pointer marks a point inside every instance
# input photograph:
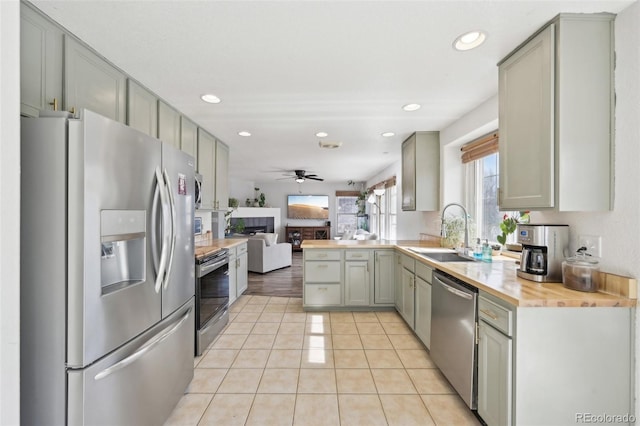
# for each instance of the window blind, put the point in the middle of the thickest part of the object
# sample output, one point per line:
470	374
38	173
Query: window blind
481	147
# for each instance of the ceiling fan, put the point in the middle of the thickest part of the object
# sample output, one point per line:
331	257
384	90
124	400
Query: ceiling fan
300	176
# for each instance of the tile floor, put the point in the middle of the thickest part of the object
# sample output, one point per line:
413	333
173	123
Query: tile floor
274	364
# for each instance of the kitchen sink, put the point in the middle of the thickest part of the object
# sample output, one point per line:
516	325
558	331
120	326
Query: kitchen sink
442	256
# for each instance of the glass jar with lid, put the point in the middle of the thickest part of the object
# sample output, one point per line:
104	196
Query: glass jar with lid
581	272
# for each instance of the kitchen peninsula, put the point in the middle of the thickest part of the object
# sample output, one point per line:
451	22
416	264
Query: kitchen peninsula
546	354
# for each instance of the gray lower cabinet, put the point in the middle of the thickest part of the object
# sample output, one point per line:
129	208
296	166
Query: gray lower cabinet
356	283
142	109
93	83
405	302
322	278
494	375
168	124
242	274
384	277
423	303
40	63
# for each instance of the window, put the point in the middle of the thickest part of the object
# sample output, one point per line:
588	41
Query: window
347	213
388	214
482	196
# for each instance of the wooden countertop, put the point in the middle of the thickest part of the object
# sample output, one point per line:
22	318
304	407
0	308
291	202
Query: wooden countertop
209	245
499	278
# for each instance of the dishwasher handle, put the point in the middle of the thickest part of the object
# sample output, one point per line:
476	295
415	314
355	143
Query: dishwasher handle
457	292
454	287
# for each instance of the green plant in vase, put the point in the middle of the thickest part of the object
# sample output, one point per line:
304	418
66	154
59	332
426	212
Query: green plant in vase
510	223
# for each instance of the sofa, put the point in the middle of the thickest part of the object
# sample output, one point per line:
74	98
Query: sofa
265	254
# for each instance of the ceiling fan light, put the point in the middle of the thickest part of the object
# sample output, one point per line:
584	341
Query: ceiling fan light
299	179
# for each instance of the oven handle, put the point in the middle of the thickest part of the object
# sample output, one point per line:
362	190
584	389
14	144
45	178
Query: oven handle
204	270
173	228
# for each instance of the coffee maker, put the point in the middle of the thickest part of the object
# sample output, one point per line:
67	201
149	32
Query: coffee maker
544	247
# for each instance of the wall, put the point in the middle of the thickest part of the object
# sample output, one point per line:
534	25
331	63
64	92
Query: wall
9	212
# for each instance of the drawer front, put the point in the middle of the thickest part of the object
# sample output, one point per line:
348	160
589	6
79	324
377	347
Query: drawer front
357	254
423	271
408	262
322	272
242	248
496	315
322	294
323	254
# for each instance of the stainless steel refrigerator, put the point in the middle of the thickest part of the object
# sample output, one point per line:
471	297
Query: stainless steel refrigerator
107	273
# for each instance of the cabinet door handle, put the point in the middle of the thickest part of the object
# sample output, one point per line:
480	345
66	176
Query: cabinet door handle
73	110
54	104
323	289
490	314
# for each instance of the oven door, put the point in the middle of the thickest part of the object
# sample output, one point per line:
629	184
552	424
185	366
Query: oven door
212	292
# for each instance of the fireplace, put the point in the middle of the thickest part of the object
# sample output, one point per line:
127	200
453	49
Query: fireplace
252	225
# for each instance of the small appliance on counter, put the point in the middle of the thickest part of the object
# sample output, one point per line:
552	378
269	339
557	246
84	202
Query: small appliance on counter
581	272
544	247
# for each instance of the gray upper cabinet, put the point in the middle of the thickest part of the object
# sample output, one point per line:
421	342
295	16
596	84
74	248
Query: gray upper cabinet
40	63
222	176
168	124
189	137
206	167
556	103
421	172
142	109
93	83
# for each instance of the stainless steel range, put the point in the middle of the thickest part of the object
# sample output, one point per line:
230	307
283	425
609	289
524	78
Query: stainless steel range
212	297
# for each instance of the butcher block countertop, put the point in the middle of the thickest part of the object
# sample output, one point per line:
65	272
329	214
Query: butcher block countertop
499	278
209	245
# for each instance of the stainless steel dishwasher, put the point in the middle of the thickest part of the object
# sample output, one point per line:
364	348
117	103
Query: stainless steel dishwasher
453	334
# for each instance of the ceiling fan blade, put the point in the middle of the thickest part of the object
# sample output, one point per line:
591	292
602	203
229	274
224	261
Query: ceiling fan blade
311	175
313	178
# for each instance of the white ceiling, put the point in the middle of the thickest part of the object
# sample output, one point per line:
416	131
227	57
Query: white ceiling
286	70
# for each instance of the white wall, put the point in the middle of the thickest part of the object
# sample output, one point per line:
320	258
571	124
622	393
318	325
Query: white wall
9	212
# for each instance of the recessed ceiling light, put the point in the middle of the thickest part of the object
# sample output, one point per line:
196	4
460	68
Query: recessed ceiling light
470	40
411	107
388	134
322	134
211	99
244	133
329	144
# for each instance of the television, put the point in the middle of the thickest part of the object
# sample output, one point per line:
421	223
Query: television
308	207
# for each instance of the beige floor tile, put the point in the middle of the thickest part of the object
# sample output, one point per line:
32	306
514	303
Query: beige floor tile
271	317
197	359
314	317
228	410
232	316
295	309
241	380
253	308
206	380
279	380
295	301
317	341
350	358
259	300
317	328
218	358
229	341
358	380
275	308
430	381
265	328
272	410
291	328
449	410
316	410
189	410
405	410
341	317
317	358
251	358
365	317
389	316
396	328
294	317
405	341
344	328
370	328
278	300
247	317
284	358
415	358
375	341
392	381
259	341
288	341
356	410
346	341
317	380
383	358
235	308
238	328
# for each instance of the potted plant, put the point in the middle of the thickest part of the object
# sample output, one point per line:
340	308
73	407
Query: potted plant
262	200
233	203
256	202
247	202
509	224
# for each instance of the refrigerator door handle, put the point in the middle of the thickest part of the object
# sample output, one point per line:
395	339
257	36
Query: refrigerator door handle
165	231
154	227
143	349
173	227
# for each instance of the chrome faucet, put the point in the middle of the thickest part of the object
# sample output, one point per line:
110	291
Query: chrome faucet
443	232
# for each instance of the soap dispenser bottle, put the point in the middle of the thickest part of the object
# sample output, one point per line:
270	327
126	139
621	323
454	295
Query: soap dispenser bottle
477	250
486	251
